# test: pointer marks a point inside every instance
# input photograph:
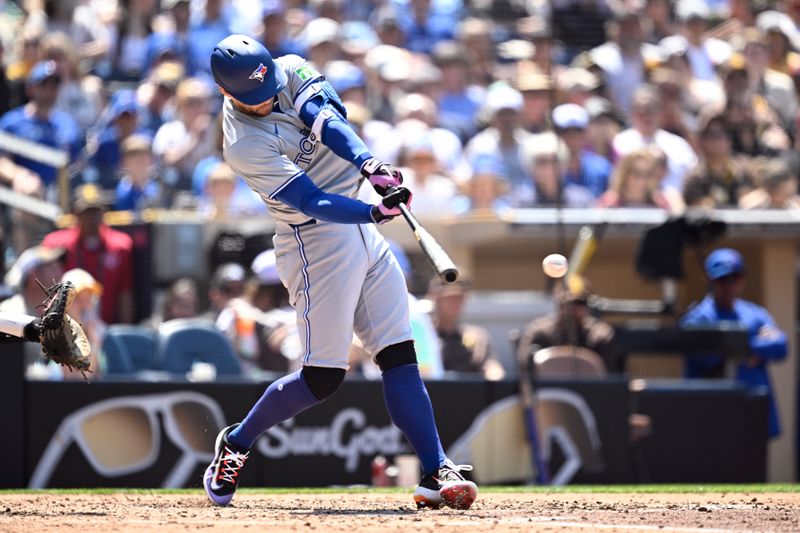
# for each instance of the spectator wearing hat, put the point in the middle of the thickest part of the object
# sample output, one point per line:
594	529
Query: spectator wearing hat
237	317
536	89
719	180
321	41
546	157
226	283
40	122
505	136
584	168
123	113
84	308
778	189
181	143
103	252
459	102
576	85
783	41
625	58
465	347
138	188
725	273
36	264
571	325
645	131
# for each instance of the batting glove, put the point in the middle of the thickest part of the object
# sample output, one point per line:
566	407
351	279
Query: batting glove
382	176
388	208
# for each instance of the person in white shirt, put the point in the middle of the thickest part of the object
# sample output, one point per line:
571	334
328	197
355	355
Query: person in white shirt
646	131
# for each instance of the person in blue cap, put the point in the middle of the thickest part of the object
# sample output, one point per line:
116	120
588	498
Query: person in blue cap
40	122
725	271
123	116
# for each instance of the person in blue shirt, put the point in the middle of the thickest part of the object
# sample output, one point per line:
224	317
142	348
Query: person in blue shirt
725	272
137	188
40	122
585	168
123	122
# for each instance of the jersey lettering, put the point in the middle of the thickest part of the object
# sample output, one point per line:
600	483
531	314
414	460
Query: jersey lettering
307	146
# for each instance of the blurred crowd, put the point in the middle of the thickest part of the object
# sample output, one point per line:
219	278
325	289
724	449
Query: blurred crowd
487	105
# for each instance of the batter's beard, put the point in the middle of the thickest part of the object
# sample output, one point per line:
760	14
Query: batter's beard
253	113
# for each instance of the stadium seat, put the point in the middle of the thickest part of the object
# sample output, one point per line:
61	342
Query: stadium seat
183	342
129	349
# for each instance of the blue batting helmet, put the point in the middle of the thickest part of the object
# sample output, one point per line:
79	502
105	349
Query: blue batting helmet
243	67
723	262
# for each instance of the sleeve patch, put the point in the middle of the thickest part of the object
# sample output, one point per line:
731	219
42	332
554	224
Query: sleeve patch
305	72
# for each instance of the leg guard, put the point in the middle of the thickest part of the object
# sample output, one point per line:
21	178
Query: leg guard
323	381
399	354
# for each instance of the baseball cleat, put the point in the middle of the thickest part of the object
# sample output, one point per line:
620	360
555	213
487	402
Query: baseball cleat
446	487
222	475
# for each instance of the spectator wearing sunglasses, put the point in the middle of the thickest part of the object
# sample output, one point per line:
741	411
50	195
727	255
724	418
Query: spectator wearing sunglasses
724	269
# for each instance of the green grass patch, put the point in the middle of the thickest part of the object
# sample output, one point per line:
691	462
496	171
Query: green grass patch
572	489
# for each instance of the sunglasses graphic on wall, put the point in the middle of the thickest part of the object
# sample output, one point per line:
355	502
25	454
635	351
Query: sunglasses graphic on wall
121	436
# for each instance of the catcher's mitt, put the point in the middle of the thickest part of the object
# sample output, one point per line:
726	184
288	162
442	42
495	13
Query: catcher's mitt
62	338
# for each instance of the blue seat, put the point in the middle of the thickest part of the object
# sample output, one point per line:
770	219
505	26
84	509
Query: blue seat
129	349
182	342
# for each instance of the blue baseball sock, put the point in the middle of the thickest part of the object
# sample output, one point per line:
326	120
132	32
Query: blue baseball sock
282	400
410	407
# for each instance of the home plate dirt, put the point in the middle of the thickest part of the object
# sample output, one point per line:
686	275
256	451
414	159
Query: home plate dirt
384	512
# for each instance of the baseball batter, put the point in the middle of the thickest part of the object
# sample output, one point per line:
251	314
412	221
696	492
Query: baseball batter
286	134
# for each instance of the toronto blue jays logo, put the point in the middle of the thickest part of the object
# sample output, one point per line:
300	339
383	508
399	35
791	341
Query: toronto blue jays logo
259	73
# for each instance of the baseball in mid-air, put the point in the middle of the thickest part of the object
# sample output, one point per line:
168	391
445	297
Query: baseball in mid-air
555	266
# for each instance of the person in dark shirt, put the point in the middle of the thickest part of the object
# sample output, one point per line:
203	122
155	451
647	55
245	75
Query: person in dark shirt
464	347
556	329
719	180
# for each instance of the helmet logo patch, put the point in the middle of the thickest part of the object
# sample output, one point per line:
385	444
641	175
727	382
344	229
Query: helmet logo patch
259	73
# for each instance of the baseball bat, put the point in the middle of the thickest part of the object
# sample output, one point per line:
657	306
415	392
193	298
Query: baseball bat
528	401
585	246
441	262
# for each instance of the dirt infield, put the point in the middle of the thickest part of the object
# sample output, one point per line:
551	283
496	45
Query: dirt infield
385	512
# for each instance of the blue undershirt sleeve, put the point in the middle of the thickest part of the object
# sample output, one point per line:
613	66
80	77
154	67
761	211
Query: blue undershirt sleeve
334	130
302	194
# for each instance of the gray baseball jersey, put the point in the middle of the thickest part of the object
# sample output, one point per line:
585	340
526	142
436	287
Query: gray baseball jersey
341	277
